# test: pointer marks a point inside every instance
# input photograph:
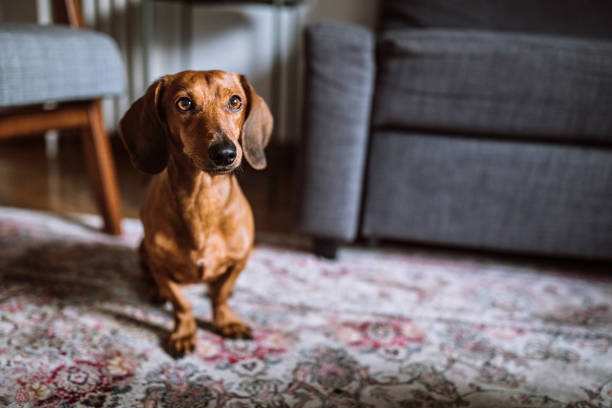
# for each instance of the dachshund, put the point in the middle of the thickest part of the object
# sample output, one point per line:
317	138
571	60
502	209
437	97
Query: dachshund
192	130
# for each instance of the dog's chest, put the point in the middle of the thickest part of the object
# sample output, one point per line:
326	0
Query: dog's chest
221	232
203	210
200	235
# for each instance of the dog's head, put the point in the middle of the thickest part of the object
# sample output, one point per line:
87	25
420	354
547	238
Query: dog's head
213	117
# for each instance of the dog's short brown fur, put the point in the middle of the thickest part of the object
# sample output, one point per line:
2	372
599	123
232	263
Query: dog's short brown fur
198	226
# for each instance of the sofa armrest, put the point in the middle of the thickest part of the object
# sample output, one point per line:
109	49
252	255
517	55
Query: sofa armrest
340	68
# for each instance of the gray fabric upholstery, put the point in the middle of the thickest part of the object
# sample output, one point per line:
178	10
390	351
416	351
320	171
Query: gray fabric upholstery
495	83
576	18
339	87
55	63
481	136
551	199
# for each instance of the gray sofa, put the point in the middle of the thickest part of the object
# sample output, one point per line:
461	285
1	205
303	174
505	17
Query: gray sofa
472	123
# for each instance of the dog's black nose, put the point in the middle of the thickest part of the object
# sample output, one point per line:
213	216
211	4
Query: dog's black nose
222	154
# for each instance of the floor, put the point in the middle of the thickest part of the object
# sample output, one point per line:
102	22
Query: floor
375	328
30	180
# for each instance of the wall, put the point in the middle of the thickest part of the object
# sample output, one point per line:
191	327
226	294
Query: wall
362	12
18	11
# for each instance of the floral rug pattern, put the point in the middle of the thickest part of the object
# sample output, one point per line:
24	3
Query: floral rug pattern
376	328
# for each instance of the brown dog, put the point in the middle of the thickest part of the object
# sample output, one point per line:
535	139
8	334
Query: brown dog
193	128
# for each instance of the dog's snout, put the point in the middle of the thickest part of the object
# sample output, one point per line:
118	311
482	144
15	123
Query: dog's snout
222	154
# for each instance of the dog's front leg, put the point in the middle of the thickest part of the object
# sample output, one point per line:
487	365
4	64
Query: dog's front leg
224	318
182	339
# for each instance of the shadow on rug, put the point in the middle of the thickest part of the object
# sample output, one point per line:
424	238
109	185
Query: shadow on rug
375	328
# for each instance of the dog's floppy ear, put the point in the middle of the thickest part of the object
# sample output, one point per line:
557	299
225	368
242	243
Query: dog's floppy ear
143	133
257	127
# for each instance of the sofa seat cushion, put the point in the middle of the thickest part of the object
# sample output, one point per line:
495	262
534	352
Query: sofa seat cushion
482	82
544	198
56	63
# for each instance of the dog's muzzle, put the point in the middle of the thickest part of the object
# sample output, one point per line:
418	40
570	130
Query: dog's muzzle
222	154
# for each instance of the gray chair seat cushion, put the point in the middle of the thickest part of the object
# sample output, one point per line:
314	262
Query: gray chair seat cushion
55	63
481	82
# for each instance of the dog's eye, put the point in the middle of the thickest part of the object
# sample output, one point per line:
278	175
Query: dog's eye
184	103
235	103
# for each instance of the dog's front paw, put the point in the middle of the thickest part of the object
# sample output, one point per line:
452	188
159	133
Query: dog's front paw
183	339
236	330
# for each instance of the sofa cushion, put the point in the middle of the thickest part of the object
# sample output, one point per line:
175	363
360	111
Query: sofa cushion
576	18
56	63
493	194
481	82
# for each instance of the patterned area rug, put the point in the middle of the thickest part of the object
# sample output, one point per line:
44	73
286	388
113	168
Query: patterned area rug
373	329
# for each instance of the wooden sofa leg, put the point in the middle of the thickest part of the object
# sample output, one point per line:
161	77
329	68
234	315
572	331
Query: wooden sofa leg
101	169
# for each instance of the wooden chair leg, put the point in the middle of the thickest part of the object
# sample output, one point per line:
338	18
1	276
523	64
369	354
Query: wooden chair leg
101	169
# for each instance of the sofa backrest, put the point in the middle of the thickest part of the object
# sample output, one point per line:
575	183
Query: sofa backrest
577	18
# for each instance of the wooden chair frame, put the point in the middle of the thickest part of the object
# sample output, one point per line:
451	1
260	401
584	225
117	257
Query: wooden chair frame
86	115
